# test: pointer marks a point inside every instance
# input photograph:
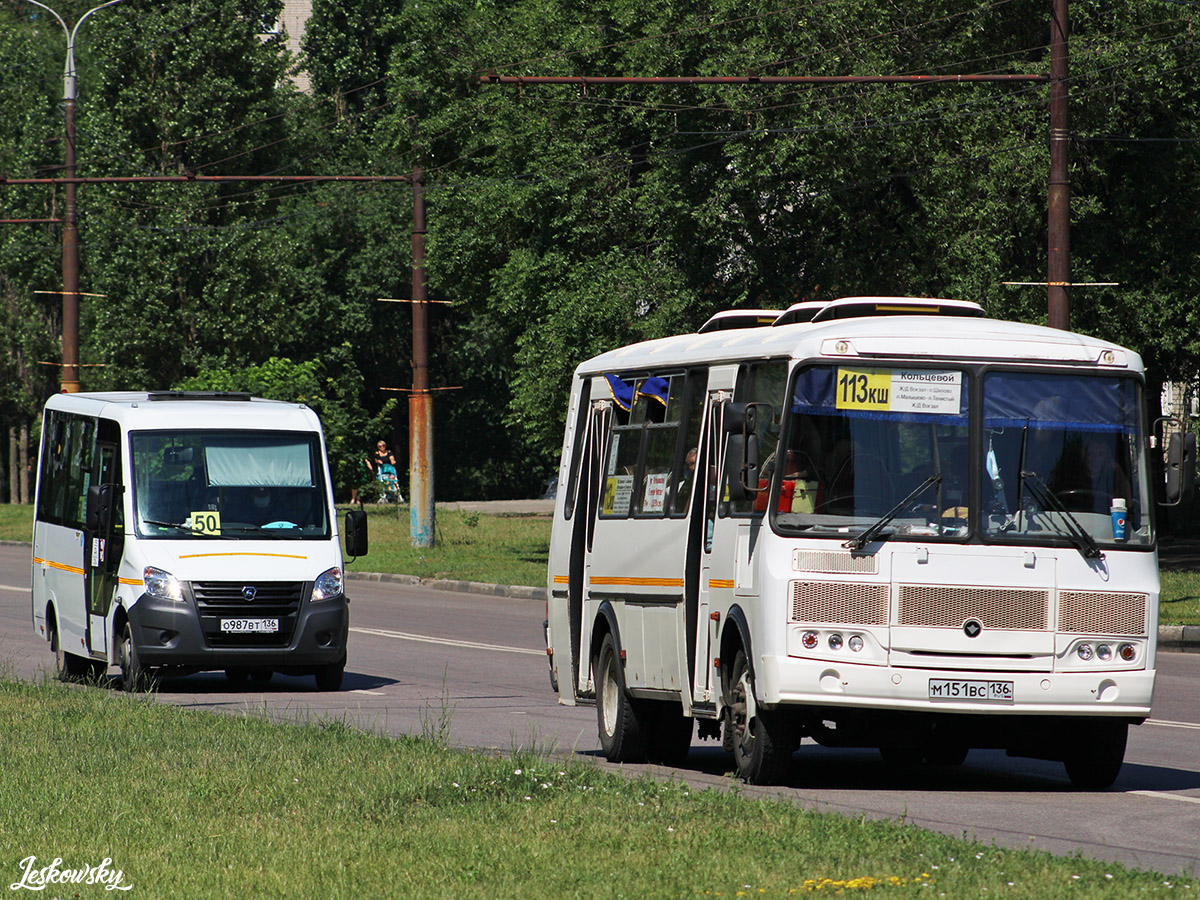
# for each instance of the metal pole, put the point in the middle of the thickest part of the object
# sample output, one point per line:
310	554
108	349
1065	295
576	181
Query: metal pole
70	238
1058	209
420	401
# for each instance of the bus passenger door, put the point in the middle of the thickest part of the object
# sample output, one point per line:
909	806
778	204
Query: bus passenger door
700	581
583	530
104	540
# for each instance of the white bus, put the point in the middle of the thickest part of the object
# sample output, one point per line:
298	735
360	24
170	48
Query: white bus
176	532
878	522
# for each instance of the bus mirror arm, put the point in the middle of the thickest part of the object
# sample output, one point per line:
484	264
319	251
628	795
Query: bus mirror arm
741	422
1181	465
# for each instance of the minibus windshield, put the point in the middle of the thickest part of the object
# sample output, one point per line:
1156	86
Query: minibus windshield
228	485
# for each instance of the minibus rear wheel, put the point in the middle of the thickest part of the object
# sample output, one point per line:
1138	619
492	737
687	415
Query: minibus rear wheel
621	733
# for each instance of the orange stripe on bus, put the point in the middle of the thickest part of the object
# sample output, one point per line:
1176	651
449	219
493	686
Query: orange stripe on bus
203	555
62	567
720	582
638	582
562	579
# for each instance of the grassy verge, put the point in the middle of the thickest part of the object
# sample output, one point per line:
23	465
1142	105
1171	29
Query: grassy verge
1180	600
199	805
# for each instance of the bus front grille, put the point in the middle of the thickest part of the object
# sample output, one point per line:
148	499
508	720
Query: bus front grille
217	600
1096	612
839	603
940	606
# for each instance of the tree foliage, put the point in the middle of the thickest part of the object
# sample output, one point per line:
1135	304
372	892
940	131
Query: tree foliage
562	221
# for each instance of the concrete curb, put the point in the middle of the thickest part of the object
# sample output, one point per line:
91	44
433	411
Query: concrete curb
510	591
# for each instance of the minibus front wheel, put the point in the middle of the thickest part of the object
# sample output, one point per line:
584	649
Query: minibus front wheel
763	740
134	676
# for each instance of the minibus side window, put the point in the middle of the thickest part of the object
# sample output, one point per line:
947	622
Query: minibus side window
69	444
762	383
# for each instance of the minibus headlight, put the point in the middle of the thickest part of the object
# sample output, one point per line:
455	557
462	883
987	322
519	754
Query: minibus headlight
162	585
327	585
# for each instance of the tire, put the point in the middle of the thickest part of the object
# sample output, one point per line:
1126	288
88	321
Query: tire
329	677
67	666
622	737
668	732
763	742
1098	751
237	676
134	676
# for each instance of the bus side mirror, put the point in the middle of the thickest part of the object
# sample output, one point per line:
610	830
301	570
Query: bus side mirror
1181	467
355	533
101	508
741	452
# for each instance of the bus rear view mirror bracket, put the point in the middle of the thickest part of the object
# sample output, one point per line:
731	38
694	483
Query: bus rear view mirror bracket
741	420
356	533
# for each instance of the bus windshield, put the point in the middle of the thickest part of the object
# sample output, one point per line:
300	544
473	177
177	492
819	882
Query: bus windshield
228	484
887	451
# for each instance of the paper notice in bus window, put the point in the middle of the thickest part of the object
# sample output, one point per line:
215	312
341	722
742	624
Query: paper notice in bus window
900	390
618	492
206	521
655	499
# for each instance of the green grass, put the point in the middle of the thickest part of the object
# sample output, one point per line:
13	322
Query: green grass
16	522
469	546
1180	600
199	805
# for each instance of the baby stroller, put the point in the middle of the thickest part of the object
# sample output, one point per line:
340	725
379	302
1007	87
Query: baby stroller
391	484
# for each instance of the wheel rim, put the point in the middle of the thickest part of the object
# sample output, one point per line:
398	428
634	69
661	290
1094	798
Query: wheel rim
609	696
743	713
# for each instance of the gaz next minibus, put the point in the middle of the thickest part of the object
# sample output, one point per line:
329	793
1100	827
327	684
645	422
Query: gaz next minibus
876	522
179	531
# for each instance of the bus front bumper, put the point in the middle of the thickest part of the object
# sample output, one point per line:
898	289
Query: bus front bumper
1126	693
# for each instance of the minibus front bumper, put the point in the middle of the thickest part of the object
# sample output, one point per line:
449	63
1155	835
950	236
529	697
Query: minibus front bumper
189	634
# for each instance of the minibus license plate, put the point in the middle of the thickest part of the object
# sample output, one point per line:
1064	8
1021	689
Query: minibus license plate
949	689
250	626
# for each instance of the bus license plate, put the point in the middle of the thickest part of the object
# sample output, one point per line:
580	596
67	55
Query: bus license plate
249	626
949	689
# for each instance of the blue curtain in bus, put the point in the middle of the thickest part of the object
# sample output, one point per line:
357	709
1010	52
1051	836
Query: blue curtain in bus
655	388
1073	402
815	394
622	393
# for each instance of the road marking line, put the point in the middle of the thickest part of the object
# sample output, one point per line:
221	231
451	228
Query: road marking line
1163	795
424	639
9	587
1167	724
367	691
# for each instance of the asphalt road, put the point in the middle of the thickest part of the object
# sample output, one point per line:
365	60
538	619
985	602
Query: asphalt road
473	667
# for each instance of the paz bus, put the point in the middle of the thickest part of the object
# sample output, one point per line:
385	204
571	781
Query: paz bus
876	522
178	531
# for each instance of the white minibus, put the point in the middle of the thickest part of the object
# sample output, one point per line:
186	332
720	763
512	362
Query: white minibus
877	522
178	531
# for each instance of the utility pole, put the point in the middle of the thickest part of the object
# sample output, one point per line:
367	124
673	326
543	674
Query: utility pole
420	401
70	237
1058	211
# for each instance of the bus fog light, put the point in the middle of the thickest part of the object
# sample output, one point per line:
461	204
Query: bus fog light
835	642
856	643
1127	652
1085	651
1104	652
809	640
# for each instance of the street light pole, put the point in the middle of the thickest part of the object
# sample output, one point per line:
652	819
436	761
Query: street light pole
70	241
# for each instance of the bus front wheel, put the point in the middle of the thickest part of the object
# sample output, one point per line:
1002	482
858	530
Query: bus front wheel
134	676
762	741
1098	751
621	733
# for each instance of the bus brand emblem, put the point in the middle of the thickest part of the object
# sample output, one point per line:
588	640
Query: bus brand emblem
249	592
972	628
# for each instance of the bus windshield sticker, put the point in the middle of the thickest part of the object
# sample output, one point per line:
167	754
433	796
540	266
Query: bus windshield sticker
618	493
205	521
900	390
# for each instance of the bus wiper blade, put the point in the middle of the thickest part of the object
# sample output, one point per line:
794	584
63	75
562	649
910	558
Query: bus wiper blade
873	530
1041	491
182	526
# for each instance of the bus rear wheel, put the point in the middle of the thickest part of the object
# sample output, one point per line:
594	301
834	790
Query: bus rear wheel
622	737
762	741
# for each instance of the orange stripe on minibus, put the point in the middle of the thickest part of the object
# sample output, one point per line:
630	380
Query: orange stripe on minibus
62	567
637	582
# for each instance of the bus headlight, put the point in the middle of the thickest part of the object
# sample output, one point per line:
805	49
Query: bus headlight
162	585
327	585
1085	652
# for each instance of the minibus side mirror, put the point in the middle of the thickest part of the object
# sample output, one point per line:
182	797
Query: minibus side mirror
101	509
355	533
1181	467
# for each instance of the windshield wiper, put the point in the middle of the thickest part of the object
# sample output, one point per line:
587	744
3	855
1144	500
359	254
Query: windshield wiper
182	526
1042	493
872	530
